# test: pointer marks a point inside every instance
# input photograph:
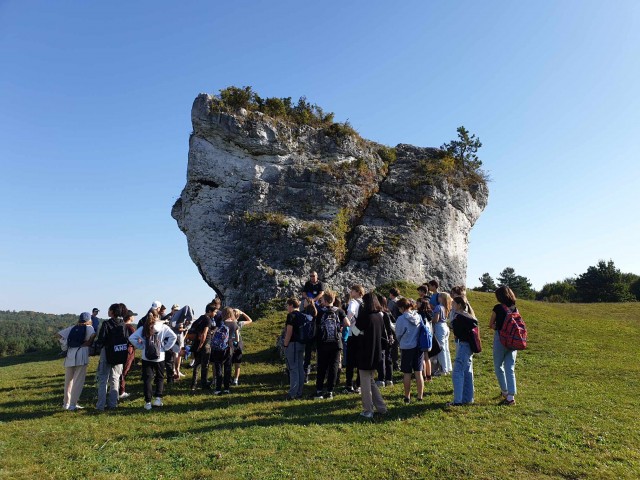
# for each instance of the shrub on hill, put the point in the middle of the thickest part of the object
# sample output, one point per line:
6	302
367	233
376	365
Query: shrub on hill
22	332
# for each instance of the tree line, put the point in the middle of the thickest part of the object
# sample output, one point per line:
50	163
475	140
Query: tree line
22	332
600	283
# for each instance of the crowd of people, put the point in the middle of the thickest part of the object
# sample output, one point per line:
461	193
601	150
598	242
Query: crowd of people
367	337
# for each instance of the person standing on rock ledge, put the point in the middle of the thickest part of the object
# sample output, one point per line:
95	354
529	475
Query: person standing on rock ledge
314	288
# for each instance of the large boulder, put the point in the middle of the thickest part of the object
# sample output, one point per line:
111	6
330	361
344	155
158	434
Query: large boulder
267	201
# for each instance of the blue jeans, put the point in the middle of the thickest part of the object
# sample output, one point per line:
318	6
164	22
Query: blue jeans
504	363
108	378
295	362
462	375
441	332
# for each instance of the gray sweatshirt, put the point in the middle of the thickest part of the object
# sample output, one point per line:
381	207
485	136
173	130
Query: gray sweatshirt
407	330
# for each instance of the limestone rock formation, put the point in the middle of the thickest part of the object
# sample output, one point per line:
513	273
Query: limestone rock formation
267	201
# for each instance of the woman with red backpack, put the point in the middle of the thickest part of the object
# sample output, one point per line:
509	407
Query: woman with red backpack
504	359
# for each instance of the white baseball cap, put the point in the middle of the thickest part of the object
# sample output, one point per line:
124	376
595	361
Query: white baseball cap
156	304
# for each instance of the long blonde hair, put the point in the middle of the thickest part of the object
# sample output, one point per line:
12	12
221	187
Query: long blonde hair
444	299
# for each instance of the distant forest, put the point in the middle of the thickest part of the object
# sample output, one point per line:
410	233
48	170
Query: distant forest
22	332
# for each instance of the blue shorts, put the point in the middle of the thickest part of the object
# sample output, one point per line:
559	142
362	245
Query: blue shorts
411	360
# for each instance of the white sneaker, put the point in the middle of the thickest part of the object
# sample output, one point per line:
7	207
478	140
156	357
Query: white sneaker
157	402
234	381
124	395
380	383
147	406
389	383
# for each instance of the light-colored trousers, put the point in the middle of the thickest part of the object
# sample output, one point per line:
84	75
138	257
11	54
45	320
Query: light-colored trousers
370	393
73	384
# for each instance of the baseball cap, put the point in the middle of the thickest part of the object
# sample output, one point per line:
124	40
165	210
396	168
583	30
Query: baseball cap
156	304
84	317
130	314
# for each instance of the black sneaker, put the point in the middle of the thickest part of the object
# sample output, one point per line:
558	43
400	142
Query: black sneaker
328	396
318	395
407	400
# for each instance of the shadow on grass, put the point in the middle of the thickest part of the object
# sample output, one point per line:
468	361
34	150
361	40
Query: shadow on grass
304	413
43	356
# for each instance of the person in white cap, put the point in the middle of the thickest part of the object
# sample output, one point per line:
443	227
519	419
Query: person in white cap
155	306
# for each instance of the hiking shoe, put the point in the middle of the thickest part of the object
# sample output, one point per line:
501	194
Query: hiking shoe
157	402
407	400
124	395
380	383
368	415
147	406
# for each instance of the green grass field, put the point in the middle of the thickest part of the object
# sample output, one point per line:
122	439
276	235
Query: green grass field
577	416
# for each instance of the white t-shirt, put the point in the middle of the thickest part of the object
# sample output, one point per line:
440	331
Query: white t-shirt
352	313
75	356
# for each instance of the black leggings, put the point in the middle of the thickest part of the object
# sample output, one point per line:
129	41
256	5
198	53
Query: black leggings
152	371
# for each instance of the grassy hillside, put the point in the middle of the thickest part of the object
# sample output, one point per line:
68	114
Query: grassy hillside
577	416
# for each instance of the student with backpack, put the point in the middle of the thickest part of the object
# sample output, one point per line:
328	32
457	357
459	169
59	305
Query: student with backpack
76	340
504	359
111	342
201	332
411	356
463	325
329	324
154	338
221	350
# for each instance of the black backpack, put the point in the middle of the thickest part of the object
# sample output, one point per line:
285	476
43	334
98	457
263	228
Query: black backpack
152	347
76	336
306	328
330	326
116	345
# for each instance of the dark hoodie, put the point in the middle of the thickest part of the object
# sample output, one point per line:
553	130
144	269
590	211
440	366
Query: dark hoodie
106	329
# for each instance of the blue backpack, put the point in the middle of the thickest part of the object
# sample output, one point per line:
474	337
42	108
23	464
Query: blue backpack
76	336
425	337
220	339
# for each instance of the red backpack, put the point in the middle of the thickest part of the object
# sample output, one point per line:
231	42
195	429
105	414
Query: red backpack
513	334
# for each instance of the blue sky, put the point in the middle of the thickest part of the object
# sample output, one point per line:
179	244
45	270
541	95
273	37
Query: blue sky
95	102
